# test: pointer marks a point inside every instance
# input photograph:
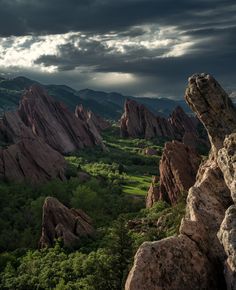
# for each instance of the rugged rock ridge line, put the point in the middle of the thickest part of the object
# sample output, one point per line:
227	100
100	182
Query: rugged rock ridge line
178	169
203	255
71	225
54	123
34	137
138	122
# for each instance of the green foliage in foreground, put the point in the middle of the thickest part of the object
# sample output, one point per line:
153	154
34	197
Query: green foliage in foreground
113	197
105	267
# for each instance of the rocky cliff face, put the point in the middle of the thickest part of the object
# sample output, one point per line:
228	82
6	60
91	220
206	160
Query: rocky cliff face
178	169
54	123
138	122
71	225
203	255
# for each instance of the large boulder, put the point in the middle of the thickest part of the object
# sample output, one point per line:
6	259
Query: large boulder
178	169
70	225
207	204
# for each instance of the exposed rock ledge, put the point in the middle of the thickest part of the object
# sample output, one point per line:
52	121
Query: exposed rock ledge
196	259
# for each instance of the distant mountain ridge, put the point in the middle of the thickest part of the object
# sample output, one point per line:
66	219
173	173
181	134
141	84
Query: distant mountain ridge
107	105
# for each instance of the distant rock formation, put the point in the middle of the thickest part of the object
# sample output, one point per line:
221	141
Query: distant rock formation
87	115
54	123
178	169
33	137
95	123
138	122
71	225
203	255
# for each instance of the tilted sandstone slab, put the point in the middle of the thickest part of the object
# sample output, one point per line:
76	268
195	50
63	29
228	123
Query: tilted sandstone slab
138	122
207	203
71	225
54	123
27	157
178	169
31	160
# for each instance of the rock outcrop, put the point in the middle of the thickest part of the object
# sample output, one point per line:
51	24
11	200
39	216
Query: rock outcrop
227	233
26	157
71	225
178	169
54	123
87	115
34	137
210	260
95	124
153	192
138	122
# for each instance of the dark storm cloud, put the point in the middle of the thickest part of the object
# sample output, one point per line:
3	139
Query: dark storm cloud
210	26
20	17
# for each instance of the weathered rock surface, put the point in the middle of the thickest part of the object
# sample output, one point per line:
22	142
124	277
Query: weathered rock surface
138	122
213	107
27	157
178	169
71	225
227	236
227	233
174	263
207	203
31	160
54	123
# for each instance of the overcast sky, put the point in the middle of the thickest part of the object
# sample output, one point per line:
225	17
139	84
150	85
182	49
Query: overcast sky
136	47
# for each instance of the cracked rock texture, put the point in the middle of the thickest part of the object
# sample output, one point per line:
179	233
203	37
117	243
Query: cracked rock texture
207	260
